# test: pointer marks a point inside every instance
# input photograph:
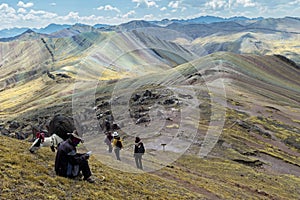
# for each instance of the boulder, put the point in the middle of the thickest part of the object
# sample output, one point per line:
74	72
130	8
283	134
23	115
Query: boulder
61	126
14	125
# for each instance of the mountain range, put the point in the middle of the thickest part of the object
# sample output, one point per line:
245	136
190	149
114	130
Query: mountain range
51	28
238	34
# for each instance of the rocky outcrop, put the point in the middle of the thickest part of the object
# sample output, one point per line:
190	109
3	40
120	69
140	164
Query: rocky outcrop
251	163
15	129
254	128
49	50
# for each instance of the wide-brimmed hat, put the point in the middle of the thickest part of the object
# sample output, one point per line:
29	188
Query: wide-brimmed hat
115	134
75	135
137	139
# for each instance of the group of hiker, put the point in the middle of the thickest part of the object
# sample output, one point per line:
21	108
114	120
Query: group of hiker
114	142
70	164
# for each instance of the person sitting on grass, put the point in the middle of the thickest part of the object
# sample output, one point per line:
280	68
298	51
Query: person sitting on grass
69	163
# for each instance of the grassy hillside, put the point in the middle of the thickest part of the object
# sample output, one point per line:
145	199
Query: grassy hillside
31	176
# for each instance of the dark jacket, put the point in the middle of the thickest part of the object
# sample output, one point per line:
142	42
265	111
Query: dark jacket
66	155
108	139
139	148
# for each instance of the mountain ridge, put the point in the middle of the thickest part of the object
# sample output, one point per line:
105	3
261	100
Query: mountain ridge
52	27
205	19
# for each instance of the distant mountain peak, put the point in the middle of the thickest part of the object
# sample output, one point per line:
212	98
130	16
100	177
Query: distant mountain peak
80	24
28	31
29	34
136	24
51	28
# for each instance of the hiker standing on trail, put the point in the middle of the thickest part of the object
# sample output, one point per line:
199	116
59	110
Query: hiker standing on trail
117	144
107	125
139	151
108	140
69	163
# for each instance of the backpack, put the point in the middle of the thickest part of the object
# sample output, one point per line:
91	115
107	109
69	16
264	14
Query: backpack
141	149
119	144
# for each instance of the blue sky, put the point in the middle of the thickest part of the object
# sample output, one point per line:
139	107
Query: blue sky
39	13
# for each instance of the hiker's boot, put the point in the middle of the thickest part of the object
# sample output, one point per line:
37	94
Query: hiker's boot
90	180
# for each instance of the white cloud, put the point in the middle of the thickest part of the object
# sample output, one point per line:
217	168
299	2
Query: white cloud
92	19
22	10
25	5
148	17
53	4
8	16
216	4
108	8
246	3
40	18
37	12
72	15
43	14
294	2
151	4
143	3
100	8
3	6
163	9
4	9
130	13
174	4
49	15
28	17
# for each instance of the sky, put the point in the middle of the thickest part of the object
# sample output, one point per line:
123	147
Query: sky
40	13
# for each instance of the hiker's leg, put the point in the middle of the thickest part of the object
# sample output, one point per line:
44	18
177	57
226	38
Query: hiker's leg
140	160
140	166
117	152
85	168
137	161
110	148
